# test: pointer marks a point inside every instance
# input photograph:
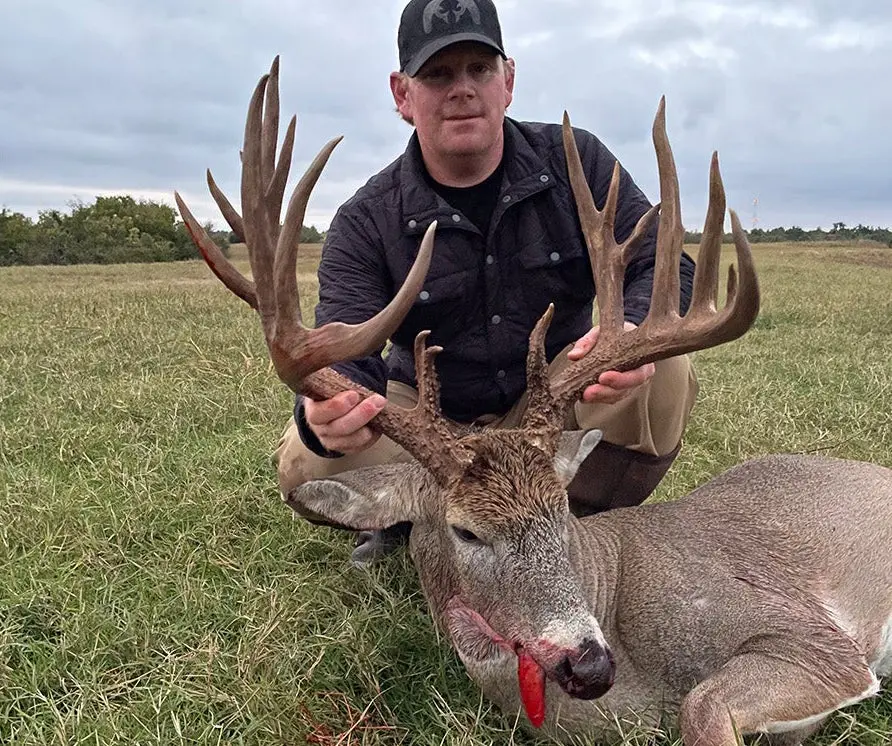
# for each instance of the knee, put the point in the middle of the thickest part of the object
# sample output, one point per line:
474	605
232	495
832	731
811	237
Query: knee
675	376
289	458
706	721
670	400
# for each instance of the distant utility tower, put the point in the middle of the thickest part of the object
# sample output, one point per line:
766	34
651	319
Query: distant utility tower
755	212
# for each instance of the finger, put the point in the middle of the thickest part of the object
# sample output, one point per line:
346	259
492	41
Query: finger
629	379
324	411
354	419
599	394
584	344
358	441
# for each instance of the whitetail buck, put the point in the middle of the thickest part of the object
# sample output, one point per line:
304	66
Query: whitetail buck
761	602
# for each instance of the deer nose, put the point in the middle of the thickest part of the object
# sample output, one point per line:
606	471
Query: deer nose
588	671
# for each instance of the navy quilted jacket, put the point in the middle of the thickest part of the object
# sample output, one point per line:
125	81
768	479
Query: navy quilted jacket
483	294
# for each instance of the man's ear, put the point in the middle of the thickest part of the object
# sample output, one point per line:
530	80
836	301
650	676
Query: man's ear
400	89
373	497
574	448
509	82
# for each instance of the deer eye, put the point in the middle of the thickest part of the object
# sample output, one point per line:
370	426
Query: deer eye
468	537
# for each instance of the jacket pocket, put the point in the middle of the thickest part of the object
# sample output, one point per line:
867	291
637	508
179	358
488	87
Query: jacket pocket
445	304
558	272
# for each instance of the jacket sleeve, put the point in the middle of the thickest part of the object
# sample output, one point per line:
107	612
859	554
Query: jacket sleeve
632	204
354	284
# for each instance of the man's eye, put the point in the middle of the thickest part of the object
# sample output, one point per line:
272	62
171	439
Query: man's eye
482	71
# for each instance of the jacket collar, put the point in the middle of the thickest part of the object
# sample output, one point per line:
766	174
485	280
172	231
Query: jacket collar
524	173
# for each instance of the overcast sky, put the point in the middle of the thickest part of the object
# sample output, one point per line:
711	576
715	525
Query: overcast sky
129	96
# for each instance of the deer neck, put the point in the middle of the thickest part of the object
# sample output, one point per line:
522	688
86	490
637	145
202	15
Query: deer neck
595	551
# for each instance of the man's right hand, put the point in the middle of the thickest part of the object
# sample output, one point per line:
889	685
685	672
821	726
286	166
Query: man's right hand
341	423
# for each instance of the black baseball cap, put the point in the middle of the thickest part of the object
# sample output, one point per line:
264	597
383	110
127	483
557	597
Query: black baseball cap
427	26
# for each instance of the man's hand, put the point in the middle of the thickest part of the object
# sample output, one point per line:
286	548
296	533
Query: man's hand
341	423
612	386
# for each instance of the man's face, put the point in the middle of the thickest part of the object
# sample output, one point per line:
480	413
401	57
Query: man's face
457	100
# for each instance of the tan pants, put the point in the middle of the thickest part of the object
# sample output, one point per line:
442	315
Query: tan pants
651	420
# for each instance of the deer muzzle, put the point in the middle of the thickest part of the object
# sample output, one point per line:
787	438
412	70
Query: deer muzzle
586	672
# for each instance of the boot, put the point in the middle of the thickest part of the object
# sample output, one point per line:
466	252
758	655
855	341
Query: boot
615	477
373	545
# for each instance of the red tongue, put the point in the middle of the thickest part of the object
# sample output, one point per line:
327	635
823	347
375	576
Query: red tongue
531	678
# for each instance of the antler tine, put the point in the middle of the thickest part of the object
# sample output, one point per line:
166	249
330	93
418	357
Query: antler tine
275	175
427	417
543	419
663	333
270	128
258	232
597	227
214	257
670	235
276	190
285	267
742	303
706	276
229	212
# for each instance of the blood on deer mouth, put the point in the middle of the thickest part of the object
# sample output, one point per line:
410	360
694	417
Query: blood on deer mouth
584	672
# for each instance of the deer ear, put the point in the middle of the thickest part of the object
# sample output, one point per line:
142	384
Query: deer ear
574	448
373	497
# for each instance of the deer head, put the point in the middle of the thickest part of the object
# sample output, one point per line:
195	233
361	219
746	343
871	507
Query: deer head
492	534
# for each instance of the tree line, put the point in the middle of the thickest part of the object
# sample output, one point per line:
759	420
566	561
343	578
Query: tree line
119	229
839	232
110	230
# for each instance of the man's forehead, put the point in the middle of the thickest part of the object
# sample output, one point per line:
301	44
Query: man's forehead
459	53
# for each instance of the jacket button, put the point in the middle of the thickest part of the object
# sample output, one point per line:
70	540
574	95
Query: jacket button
490	259
496	319
500	374
413	223
506	199
543	178
554	256
456	218
424	295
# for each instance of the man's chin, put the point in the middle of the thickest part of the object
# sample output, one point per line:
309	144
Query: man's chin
468	147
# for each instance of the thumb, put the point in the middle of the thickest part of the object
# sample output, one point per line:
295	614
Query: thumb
584	344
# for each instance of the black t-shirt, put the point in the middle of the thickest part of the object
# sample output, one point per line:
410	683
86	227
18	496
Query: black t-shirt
476	202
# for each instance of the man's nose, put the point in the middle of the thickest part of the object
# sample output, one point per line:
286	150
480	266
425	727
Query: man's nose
463	85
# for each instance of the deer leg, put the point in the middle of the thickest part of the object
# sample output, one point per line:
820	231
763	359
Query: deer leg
757	693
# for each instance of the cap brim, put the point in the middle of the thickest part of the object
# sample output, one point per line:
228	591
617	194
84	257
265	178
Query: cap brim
426	52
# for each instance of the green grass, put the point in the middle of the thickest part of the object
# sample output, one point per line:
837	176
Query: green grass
153	588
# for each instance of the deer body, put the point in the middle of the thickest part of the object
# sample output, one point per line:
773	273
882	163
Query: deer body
782	548
777	573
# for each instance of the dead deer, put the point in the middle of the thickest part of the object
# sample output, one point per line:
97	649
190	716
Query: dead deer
761	602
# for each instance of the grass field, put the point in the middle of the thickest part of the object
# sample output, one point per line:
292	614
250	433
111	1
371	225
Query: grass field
153	588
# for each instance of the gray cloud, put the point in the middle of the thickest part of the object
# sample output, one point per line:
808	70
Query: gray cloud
102	96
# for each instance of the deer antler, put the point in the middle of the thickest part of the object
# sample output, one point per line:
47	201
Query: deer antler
663	333
301	356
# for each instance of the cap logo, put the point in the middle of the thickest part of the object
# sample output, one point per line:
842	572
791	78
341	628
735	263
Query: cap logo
434	9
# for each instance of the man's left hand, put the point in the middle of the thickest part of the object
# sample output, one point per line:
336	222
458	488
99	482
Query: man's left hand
612	386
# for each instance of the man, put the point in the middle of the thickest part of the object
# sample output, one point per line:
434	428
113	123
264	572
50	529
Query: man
508	244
